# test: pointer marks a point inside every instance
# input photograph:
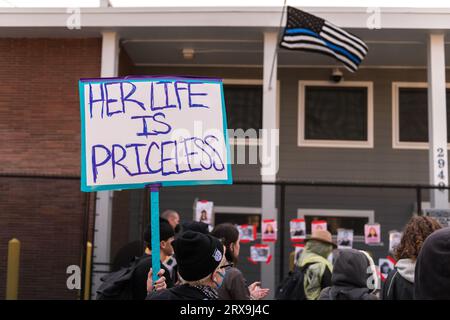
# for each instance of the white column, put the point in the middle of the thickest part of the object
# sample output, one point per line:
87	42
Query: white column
437	120
103	208
269	149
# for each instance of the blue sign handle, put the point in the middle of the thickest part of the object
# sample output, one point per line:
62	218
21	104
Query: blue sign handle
154	218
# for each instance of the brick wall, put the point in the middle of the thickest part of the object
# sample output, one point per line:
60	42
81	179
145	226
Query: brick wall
40	134
39	106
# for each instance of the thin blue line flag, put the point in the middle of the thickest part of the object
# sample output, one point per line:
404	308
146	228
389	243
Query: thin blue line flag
306	32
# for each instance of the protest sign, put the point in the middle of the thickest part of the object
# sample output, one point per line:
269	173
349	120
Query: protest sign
204	212
394	239
141	131
345	239
318	225
260	253
372	233
299	247
247	232
386	266
297	230
441	215
269	230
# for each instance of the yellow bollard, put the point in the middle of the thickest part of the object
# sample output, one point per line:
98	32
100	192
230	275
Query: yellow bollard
87	279
12	273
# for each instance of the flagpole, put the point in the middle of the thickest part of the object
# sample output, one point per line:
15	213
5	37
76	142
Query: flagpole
276	49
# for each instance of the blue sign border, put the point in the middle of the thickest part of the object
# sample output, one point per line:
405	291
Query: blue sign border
86	188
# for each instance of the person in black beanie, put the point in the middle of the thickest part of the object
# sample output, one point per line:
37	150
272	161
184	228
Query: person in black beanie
432	274
140	275
201	268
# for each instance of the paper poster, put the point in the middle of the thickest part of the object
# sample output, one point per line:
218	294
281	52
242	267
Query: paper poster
260	253
299	247
247	232
297	229
345	239
317	225
269	230
204	212
372	233
441	215
394	240
153	130
386	266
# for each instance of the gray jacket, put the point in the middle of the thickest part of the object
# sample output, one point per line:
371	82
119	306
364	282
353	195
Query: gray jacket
234	286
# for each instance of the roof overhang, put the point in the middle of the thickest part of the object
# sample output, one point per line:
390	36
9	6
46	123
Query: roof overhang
262	17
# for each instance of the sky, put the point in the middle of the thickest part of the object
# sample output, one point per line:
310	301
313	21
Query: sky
232	3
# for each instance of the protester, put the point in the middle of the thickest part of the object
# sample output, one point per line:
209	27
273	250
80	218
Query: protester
234	285
432	274
350	277
140	275
399	284
313	261
201	262
173	218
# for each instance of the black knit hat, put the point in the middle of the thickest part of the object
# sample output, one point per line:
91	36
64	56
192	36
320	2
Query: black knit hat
165	231
197	226
198	254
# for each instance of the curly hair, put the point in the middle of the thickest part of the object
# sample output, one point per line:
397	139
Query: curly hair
414	235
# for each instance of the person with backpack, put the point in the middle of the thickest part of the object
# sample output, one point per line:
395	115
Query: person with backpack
201	268
140	275
313	264
350	278
399	284
234	285
130	282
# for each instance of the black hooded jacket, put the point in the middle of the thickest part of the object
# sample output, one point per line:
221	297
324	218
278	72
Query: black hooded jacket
349	278
432	274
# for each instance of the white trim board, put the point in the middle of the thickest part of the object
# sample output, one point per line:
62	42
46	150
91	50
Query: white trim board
263	17
370	214
396	143
302	142
240	210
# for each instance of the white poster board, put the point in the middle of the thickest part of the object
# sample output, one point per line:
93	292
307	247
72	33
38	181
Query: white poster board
141	131
345	238
204	212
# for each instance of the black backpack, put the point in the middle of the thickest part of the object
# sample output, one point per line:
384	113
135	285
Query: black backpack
118	285
292	288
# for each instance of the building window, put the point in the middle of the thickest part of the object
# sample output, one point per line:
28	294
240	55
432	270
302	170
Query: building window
410	115
243	100
335	115
244	106
338	218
